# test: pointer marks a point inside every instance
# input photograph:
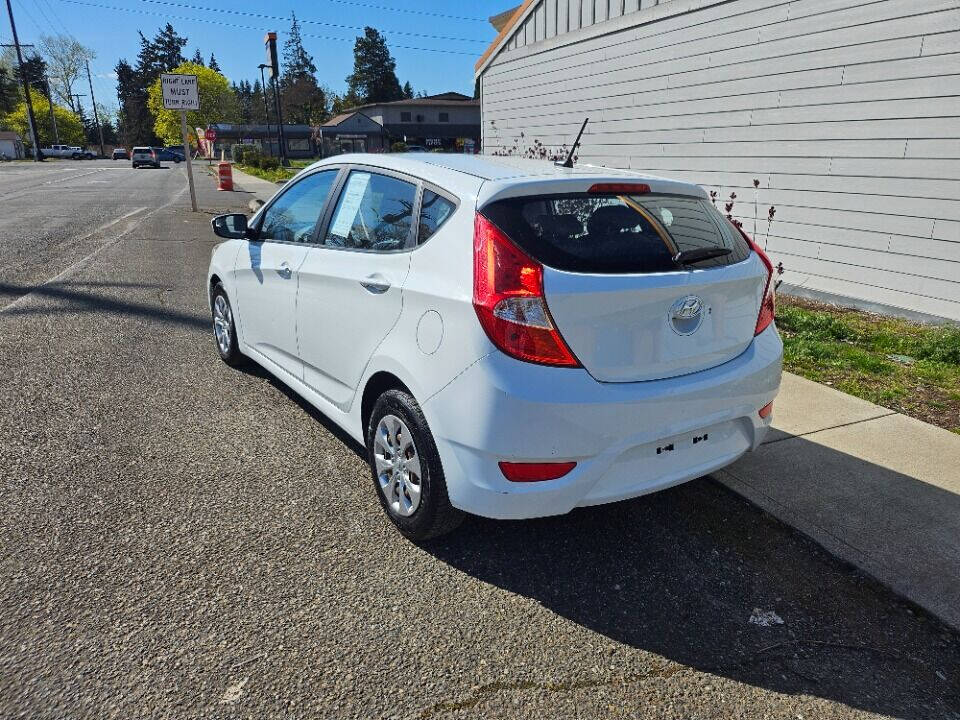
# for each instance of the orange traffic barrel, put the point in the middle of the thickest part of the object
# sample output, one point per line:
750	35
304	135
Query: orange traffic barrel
224	176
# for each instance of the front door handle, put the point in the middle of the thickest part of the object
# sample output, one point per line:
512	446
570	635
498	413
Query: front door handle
285	272
377	288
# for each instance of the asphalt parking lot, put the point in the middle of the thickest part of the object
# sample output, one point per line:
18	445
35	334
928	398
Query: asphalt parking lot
185	540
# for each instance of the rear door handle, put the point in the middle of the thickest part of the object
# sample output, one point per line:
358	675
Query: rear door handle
376	284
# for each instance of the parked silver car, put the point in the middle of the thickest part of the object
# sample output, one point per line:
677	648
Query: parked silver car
145	156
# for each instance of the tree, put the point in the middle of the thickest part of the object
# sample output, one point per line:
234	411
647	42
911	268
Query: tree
197	58
67	60
374	76
213	65
407	90
35	70
8	91
159	55
303	99
69	126
218	103
296	60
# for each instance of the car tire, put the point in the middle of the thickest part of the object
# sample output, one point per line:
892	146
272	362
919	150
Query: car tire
418	505
224	327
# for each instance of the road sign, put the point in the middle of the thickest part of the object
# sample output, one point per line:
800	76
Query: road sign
180	92
210	134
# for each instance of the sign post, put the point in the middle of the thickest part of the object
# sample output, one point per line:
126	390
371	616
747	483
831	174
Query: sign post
181	92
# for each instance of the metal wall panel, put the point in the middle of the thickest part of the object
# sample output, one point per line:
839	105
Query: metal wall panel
847	112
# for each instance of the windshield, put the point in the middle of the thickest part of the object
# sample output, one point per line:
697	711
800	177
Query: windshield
617	233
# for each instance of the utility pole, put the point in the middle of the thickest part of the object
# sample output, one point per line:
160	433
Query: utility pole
26	88
78	110
96	115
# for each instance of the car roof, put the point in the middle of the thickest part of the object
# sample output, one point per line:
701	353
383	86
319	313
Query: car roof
501	176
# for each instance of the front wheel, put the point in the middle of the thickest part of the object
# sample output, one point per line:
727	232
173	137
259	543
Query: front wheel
224	328
407	472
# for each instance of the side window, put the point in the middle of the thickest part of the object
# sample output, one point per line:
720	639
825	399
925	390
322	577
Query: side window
444	117
375	212
404	117
294	215
434	212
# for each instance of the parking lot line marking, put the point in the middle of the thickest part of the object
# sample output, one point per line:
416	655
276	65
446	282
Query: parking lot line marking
83	262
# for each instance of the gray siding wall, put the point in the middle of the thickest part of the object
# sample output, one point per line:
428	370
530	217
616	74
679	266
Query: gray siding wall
847	112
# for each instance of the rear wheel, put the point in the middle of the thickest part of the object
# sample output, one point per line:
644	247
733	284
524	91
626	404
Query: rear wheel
407	472
224	328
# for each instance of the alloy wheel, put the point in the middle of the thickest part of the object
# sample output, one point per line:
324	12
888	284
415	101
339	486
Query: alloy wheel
222	323
398	465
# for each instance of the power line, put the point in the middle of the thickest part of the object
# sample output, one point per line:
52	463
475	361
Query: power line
246	13
205	21
408	10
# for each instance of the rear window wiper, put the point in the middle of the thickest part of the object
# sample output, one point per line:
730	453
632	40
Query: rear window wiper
689	257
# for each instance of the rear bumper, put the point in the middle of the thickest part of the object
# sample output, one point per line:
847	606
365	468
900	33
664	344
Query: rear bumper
502	409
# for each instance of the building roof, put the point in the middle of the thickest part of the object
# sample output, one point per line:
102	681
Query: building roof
9	135
448	99
518	12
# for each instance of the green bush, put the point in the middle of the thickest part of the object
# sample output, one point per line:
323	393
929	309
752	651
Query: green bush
236	152
268	162
251	156
398	147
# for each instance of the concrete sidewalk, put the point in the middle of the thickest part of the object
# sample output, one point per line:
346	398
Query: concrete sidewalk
876	488
258	188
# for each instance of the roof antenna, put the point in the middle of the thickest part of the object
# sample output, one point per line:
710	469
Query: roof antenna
568	163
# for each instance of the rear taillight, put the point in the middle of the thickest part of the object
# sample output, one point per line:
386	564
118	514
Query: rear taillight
768	305
509	300
535	472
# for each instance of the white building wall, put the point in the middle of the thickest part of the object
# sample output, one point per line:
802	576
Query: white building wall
847	112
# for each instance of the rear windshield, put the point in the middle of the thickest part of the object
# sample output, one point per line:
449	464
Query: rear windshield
616	233
143	150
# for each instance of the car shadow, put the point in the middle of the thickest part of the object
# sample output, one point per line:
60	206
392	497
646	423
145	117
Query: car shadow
680	573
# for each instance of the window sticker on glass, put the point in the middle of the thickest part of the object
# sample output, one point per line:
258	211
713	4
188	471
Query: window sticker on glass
666	216
350	204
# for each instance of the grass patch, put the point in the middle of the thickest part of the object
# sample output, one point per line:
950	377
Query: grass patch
278	175
904	366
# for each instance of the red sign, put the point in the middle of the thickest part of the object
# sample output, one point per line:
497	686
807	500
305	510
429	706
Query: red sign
210	134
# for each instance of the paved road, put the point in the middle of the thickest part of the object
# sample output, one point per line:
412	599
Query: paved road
183	540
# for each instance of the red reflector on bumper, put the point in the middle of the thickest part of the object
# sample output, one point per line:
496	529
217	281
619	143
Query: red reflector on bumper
535	472
766	410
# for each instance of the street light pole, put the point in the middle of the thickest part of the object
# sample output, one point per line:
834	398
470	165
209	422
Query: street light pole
263	92
26	88
96	115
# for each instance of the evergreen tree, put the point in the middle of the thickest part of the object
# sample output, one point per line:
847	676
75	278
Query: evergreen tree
35	69
296	60
8	91
197	57
156	56
258	114
374	76
407	90
303	100
213	65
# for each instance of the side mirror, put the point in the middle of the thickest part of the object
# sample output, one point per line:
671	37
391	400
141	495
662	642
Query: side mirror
232	226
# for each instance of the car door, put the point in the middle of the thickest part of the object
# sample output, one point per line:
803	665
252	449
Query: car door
351	281
267	268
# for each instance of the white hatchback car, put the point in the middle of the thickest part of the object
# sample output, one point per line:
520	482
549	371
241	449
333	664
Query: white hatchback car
506	337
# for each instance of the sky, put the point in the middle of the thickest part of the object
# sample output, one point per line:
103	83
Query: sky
434	42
